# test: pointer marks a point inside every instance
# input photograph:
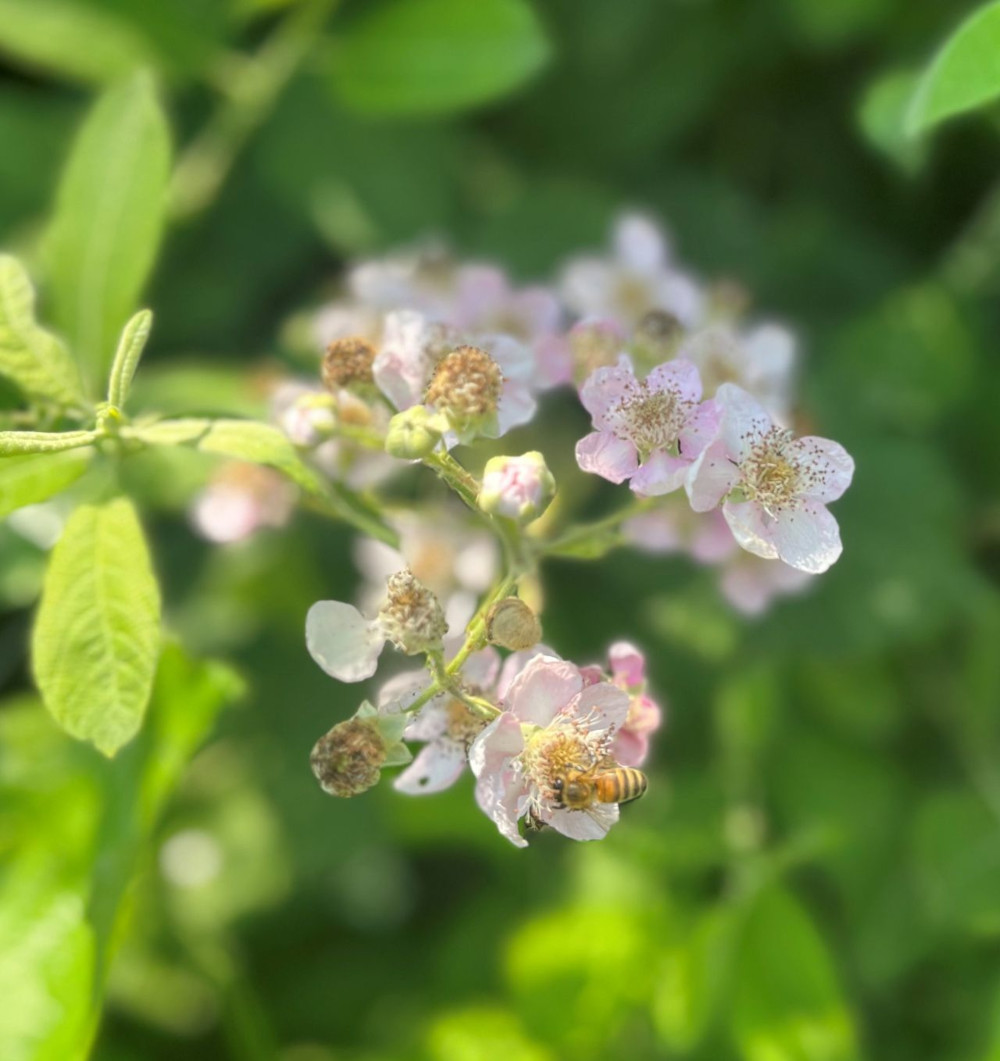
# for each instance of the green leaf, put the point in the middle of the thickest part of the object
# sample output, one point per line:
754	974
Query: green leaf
30	356
432	56
109	218
881	117
14	443
31	478
79	41
97	636
788	1006
130	348
964	74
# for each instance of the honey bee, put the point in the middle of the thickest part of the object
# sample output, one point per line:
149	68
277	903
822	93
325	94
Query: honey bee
581	789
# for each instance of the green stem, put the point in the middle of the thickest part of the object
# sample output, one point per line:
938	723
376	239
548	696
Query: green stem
464	483
253	87
583	534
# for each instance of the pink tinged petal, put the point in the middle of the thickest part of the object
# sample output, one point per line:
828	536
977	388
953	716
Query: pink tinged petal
807	537
700	430
827	468
587	285
542	689
752	528
711	477
481	668
628	664
603	454
400	691
492	750
679	377
605	388
501	797
681	296
436	767
639	244
516	360
605	704
432	720
744	420
592	674
770	349
590	824
517	406
630	748
539	309
342	641
555	361
711	540
515	663
660	474
401	368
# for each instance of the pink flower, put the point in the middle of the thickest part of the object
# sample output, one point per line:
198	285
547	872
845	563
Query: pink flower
773	487
628	672
647	432
239	500
445	724
751	584
552	724
518	488
636	280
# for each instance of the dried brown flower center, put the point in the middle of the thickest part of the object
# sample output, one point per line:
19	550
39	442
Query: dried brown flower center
348	361
412	617
466	385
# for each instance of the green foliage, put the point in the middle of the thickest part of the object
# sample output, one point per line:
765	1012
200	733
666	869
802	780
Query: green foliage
964	74
431	56
32	358
16	443
103	238
31	478
72	39
130	347
97	637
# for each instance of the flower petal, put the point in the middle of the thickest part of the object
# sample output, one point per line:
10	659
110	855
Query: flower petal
630	748
711	477
639	244
590	824
752	528
516	407
700	430
603	454
342	641
437	766
827	468
605	388
628	664
807	537
679	376
500	798
542	689
605	704
660	474
744	420
401	367
496	745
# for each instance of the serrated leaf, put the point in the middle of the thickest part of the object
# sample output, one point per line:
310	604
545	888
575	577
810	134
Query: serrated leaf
14	443
97	635
31	357
108	221
964	74
433	56
31	478
79	41
133	340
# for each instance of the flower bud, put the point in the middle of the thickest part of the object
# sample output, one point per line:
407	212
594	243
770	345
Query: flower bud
510	623
517	487
466	388
412	435
346	362
412	618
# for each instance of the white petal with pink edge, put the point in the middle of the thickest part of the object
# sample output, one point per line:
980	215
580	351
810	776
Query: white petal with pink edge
542	689
807	538
711	477
603	454
752	528
437	766
342	641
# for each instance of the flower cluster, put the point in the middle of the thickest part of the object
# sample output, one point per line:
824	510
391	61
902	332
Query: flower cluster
426	360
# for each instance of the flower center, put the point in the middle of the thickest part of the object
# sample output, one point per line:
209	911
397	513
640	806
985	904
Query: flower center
651	419
565	746
768	475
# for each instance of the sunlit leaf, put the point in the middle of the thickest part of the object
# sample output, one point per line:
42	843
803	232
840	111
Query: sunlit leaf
30	356
32	478
965	73
130	346
109	218
78	41
13	443
97	635
429	56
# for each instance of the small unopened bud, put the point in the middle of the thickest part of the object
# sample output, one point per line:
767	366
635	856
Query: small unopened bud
517	487
412	618
658	335
466	388
348	361
412	435
510	623
348	760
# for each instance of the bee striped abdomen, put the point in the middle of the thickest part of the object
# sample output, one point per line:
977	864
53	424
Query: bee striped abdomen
621	785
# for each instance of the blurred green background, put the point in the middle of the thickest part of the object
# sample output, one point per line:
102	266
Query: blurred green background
815	872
